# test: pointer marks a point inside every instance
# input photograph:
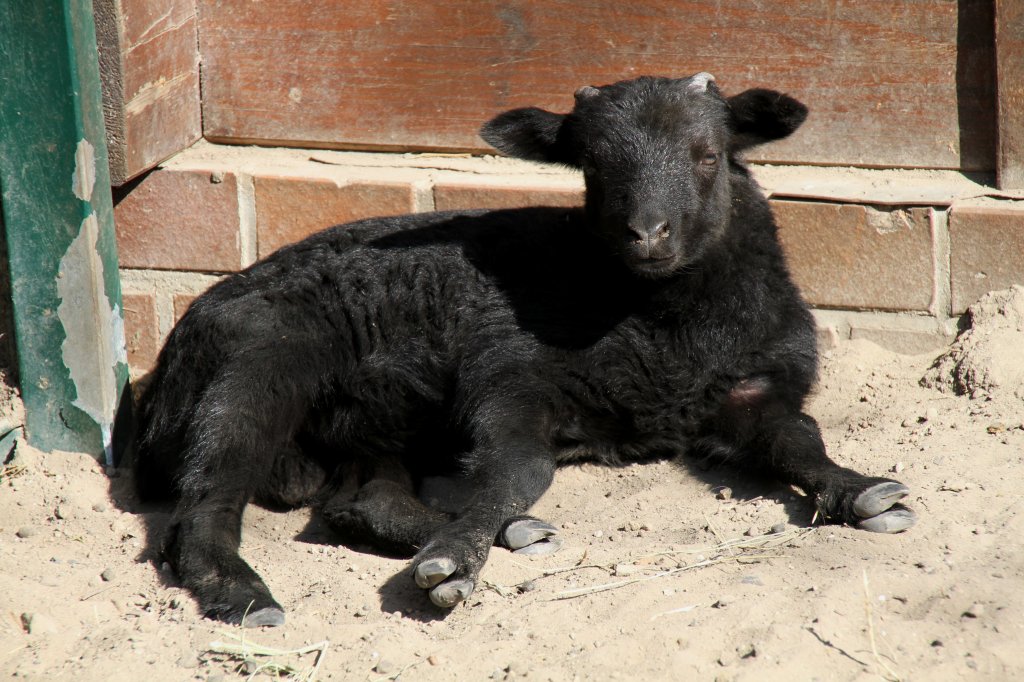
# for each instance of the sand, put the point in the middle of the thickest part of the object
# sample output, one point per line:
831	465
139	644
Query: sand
702	582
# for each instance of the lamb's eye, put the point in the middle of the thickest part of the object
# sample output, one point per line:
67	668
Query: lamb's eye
709	159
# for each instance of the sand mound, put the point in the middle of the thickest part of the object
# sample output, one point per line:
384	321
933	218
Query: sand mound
987	359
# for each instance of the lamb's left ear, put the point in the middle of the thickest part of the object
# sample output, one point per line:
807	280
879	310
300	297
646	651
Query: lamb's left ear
529	133
758	116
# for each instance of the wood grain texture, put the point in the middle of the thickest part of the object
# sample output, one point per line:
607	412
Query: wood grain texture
1010	65
889	83
149	61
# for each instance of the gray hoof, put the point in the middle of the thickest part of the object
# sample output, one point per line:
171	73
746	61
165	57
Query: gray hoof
433	571
268	617
447	595
541	547
878	498
525	533
892	521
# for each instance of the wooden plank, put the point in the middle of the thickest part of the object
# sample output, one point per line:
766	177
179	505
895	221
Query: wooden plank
59	228
881	77
1010	68
149	60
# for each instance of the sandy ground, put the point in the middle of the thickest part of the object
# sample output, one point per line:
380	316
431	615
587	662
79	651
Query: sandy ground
700	585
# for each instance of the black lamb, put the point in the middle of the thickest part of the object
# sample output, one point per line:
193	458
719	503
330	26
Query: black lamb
659	319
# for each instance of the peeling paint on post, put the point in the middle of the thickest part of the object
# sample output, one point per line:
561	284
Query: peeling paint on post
58	224
88	316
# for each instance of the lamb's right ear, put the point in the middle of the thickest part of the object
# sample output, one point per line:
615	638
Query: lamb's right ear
529	133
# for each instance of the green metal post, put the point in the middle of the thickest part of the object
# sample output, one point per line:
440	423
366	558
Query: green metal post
58	220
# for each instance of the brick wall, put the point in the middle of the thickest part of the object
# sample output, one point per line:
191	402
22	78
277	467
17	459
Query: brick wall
890	256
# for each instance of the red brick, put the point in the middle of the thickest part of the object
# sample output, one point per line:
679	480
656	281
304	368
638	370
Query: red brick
906	341
289	209
455	197
847	256
141	331
986	250
179	220
181	304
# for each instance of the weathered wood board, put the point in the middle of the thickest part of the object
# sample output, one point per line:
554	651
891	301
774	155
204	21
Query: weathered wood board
889	82
1010	60
149	62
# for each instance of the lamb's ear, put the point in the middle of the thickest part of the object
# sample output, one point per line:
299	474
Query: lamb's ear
529	133
758	116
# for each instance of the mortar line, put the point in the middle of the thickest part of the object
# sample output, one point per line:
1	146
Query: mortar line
247	236
423	195
942	296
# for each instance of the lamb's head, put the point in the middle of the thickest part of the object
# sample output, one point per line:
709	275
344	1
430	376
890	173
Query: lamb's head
656	156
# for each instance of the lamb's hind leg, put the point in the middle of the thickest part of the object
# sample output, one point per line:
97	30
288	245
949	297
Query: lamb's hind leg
757	422
238	429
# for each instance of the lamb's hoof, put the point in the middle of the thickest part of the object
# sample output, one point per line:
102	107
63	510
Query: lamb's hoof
433	571
894	520
268	617
530	536
446	595
878	498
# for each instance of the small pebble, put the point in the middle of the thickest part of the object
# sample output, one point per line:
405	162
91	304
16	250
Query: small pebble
598	533
779	527
100	507
897	468
516	669
746	650
723	493
625	569
250	666
976	611
188	660
38	624
721	603
26	531
955	486
434	659
751	532
528	586
384	667
931	414
109	575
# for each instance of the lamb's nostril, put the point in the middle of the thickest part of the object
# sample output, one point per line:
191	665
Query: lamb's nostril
649	232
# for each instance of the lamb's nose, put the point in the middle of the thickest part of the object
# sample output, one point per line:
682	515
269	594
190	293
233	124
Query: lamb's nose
651	231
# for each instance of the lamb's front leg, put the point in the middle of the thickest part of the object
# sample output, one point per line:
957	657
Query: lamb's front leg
509	474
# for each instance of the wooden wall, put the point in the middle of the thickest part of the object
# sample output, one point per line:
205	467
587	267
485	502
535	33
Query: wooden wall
889	82
149	61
